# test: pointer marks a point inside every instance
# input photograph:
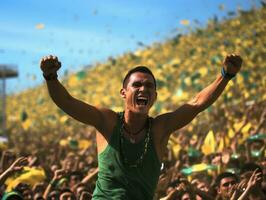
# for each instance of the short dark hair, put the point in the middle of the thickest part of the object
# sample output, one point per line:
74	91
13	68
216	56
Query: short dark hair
140	68
224	175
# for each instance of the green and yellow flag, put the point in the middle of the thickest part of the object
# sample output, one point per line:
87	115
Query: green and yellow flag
28	175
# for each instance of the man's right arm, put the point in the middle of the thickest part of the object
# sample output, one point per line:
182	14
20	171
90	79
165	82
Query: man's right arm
77	109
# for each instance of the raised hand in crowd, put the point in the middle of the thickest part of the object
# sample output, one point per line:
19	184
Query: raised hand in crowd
91	175
8	157
58	174
242	190
16	166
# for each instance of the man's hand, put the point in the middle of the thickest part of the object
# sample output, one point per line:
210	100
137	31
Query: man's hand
59	173
232	63
18	164
255	178
49	65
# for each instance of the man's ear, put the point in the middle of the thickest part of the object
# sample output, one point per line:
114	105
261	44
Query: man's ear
218	189
123	93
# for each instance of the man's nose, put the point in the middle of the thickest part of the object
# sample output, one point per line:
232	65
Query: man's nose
142	88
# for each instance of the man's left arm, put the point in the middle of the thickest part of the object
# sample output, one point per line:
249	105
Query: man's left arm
187	112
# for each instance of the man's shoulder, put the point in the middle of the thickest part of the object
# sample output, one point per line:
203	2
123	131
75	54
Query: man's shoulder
161	125
109	120
108	113
161	119
158	124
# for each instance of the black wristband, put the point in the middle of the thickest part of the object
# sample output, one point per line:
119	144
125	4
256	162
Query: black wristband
227	75
50	77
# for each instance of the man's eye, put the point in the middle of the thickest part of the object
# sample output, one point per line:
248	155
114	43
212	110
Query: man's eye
150	85
137	84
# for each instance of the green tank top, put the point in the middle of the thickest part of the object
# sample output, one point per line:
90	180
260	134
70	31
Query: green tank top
117	180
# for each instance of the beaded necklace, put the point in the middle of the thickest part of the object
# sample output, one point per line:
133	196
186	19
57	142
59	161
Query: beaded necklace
132	135
138	161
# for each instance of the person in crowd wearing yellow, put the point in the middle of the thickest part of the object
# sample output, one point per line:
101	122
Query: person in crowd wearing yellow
131	144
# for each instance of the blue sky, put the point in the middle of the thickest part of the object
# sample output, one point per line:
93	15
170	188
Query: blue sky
82	32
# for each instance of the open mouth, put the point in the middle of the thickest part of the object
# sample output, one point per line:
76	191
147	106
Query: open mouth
142	101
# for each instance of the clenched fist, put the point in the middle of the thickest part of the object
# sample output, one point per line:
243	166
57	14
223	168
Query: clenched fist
232	63
49	65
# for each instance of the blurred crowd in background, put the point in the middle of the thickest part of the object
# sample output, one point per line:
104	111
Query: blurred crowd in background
220	155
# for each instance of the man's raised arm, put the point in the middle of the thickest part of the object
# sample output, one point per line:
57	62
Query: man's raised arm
187	112
77	109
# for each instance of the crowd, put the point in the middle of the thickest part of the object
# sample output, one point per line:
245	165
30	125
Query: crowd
47	160
235	172
72	179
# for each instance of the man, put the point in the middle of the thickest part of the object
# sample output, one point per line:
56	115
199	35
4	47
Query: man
224	183
131	144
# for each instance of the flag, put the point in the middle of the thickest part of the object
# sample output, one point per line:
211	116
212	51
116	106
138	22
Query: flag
221	145
197	168
209	143
26	124
28	175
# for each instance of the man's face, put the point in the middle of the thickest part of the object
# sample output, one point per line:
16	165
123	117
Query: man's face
139	93
74	179
203	187
54	195
225	185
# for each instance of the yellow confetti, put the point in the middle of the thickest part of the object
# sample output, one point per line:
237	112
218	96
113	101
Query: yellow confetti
26	124
175	61
63	142
73	81
203	71
185	22
84	144
188	81
63	119
39	26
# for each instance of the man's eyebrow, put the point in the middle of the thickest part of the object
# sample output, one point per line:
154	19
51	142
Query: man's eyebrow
136	82
144	81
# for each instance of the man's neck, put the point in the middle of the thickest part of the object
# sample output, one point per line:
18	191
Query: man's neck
134	121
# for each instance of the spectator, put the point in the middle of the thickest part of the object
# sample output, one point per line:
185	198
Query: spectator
224	182
131	166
